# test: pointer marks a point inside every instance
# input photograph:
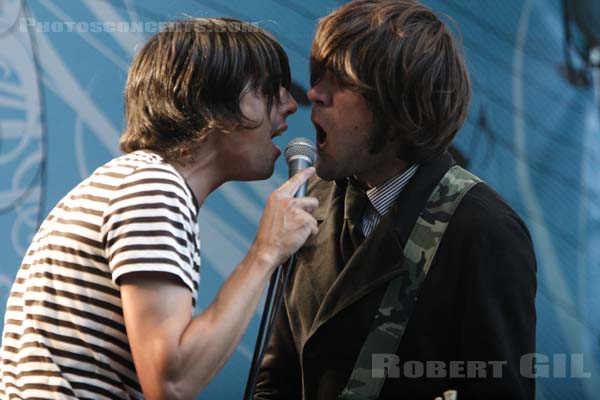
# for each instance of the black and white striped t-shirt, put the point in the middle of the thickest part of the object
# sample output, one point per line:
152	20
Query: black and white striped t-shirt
64	334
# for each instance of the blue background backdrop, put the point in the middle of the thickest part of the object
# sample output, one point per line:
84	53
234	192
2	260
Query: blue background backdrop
531	134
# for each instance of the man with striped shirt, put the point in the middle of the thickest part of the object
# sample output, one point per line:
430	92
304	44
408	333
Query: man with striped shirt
389	91
102	305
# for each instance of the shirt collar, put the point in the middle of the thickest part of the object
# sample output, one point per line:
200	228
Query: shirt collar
383	196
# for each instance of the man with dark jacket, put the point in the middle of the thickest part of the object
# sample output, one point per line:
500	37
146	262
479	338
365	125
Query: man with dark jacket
390	90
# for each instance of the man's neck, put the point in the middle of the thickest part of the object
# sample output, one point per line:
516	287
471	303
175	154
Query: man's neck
382	174
203	175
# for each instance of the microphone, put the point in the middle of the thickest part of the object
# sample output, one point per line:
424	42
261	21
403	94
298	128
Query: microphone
300	153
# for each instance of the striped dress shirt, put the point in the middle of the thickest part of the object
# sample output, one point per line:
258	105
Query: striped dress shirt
382	197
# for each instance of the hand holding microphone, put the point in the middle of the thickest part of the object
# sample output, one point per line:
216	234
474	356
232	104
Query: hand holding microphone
284	227
287	221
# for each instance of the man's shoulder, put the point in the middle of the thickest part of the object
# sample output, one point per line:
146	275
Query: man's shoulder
483	208
484	200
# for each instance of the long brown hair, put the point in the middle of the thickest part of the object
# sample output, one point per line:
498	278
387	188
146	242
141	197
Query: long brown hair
403	59
188	79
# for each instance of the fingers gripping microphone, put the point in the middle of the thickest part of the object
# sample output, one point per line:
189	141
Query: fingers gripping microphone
300	153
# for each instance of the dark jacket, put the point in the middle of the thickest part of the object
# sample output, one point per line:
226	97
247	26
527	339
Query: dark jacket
477	303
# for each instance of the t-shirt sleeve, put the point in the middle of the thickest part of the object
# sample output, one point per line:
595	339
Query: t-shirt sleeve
149	226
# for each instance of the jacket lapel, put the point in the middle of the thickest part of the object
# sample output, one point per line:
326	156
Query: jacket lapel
319	261
379	258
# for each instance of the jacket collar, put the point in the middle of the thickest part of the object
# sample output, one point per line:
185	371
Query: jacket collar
379	258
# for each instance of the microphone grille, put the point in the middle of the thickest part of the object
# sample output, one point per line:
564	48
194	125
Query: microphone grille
301	147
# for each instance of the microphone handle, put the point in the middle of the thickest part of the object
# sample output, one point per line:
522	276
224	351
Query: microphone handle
296	165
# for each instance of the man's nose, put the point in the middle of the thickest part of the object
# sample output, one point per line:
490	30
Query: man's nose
288	103
317	95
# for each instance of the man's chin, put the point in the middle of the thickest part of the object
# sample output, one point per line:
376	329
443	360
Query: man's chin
262	175
325	172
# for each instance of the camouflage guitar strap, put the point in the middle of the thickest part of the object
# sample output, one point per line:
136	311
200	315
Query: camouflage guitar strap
401	295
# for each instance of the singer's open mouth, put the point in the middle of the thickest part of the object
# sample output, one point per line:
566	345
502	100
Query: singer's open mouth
321	135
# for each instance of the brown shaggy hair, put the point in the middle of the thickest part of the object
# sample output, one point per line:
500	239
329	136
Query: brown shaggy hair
405	63
188	79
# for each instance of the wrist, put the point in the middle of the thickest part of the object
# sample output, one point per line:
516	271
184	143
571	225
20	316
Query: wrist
262	257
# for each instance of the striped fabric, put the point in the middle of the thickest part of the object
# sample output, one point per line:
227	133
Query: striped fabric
64	334
382	197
